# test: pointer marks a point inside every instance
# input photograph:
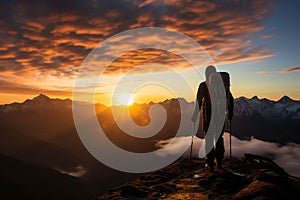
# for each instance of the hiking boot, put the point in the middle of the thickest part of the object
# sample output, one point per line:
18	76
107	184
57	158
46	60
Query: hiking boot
210	168
219	164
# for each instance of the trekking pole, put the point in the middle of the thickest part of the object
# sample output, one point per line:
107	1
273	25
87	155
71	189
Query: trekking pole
192	140
229	121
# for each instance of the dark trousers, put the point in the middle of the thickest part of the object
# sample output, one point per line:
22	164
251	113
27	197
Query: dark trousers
215	152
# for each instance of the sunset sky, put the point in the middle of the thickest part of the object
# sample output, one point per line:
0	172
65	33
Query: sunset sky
43	44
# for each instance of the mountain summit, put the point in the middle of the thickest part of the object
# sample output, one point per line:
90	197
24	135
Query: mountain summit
40	98
285	100
253	177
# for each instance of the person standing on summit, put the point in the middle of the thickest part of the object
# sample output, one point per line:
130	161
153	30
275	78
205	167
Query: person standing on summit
203	101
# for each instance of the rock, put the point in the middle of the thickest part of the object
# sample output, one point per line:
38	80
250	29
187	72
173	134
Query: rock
253	177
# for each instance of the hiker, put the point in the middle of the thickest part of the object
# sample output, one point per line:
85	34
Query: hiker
204	101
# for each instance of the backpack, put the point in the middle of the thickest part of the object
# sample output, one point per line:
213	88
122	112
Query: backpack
226	80
217	90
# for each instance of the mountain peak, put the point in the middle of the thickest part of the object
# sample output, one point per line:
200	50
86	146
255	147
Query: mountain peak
41	97
255	98
285	99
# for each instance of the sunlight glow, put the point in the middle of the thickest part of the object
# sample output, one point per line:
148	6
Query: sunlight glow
124	99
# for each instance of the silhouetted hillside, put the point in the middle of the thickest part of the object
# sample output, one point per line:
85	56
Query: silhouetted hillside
42	131
253	177
21	180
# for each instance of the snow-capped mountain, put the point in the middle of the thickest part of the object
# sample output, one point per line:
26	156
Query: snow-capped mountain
268	120
268	109
276	121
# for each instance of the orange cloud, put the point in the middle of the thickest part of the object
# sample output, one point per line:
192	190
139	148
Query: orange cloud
282	71
239	54
54	39
7	56
140	57
66	29
62	17
264	37
287	70
33	26
34	36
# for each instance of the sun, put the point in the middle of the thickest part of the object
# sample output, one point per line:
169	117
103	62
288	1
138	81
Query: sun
125	99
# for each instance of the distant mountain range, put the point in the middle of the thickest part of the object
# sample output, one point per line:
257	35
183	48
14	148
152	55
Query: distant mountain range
285	108
42	131
268	120
275	121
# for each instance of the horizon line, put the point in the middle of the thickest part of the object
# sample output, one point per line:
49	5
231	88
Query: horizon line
149	102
